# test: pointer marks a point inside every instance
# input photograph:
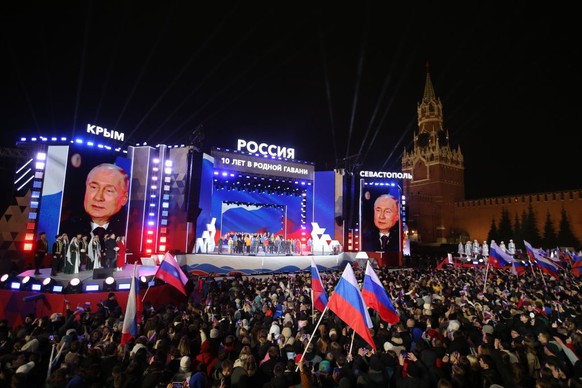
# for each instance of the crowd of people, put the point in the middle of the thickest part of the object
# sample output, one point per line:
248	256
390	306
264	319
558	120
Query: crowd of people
457	328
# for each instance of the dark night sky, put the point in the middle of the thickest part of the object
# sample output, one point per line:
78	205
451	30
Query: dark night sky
329	80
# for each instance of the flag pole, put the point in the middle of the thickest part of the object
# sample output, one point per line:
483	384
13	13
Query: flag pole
352	342
313	306
311	336
543	279
485	282
145	293
50	364
531	266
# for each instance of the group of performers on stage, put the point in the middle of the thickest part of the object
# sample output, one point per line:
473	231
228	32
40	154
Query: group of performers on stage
253	243
476	250
82	253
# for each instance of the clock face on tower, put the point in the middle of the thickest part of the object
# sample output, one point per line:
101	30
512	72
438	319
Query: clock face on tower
442	136
423	139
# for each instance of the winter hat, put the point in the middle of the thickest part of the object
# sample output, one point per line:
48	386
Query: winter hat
30	346
275	330
288	318
553	348
325	366
185	362
286	332
487	329
454	325
26	368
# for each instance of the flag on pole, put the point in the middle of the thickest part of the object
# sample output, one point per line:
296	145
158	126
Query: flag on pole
129	329
376	298
347	303
170	272
319	293
545	264
577	265
497	257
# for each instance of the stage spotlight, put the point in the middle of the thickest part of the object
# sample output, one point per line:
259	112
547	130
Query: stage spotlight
9	281
109	284
91	287
147	281
52	285
74	287
123	286
30	283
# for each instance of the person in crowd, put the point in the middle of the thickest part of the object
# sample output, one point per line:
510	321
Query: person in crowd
456	327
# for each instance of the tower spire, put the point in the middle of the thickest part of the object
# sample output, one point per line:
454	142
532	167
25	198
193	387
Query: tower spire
429	93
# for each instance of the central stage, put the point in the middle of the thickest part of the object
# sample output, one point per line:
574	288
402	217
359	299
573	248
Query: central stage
15	304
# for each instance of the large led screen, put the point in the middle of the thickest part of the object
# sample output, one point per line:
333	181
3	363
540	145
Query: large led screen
93	193
380	220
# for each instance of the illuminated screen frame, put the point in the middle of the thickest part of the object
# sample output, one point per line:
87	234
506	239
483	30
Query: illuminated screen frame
80	160
369	239
261	165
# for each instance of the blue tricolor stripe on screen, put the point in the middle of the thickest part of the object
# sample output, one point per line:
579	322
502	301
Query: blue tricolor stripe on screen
347	303
376	298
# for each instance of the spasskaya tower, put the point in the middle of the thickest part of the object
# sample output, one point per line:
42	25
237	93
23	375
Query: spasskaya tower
437	174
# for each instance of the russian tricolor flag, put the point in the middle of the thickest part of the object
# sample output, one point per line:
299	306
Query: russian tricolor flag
170	272
319	293
577	266
129	328
517	267
545	265
347	303
497	257
376	298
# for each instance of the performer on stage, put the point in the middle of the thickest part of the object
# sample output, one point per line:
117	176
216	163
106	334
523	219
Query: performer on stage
57	252
40	252
73	256
120	252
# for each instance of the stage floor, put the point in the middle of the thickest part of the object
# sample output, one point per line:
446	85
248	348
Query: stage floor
125	273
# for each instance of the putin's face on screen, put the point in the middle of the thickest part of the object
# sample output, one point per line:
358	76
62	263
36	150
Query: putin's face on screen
106	192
